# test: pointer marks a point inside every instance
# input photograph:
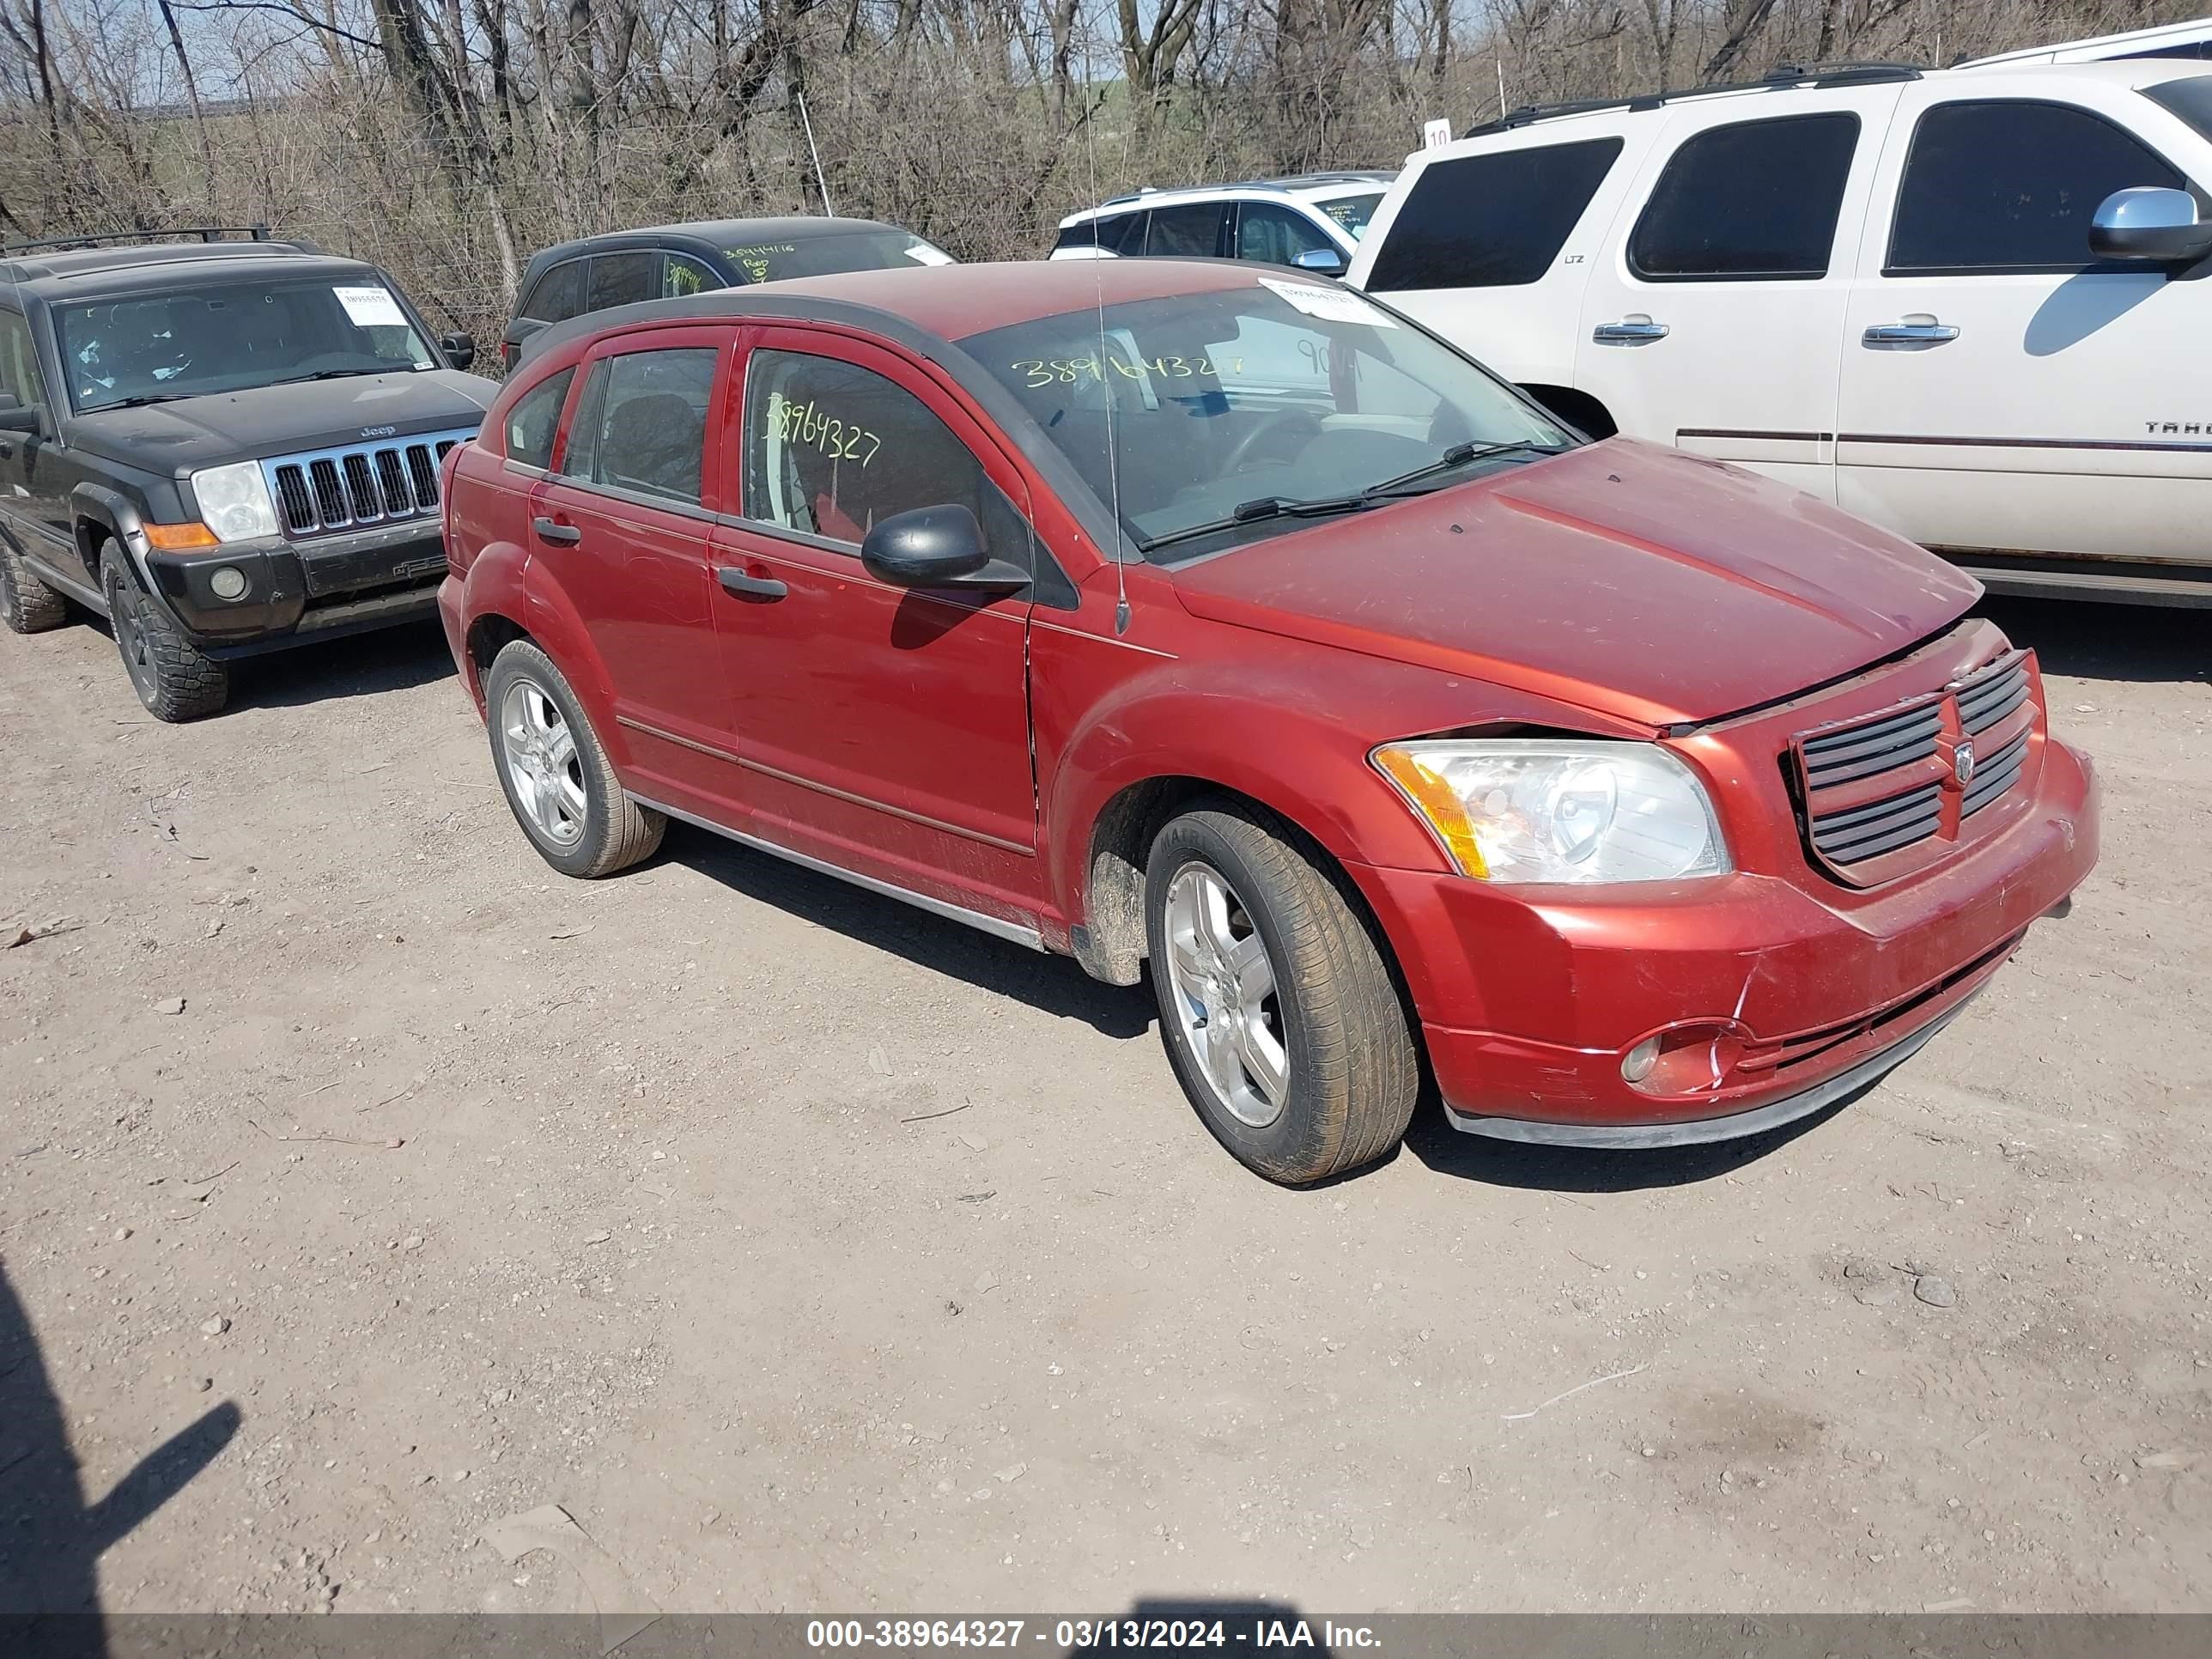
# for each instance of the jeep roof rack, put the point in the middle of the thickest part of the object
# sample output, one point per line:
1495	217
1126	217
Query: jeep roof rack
1781	77
104	239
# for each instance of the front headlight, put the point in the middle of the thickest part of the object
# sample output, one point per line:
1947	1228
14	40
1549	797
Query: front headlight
234	501
1560	810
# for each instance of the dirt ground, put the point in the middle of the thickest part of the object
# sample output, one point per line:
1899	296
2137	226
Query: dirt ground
456	1188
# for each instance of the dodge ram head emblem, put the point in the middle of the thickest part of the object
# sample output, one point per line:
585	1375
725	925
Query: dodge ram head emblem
1962	764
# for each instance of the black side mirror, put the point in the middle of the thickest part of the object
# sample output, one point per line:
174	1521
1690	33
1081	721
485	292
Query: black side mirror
2149	223
934	547
460	349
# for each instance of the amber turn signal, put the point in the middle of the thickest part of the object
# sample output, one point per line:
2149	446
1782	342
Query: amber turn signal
179	538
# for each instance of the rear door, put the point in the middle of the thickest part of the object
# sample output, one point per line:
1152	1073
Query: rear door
1714	320
884	729
2000	390
622	527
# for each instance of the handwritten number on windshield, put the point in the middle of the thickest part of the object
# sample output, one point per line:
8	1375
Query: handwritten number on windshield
1067	371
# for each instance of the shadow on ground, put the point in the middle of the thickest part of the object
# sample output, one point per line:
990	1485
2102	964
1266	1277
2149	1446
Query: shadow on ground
364	666
2095	642
51	1539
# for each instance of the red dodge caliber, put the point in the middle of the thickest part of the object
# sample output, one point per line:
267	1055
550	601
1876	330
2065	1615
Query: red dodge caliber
1225	621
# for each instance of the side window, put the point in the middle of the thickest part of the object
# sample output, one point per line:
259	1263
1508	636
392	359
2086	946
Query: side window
2008	184
1276	235
681	274
1495	220
832	449
1191	232
20	376
559	295
641	424
1108	234
535	417
622	279
1755	201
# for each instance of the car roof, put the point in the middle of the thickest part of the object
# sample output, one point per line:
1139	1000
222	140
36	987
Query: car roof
95	273
718	235
1304	186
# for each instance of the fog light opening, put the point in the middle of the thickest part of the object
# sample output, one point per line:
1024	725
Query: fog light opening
229	583
1637	1064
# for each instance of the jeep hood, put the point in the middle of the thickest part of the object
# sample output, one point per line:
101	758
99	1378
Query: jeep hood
1650	585
215	428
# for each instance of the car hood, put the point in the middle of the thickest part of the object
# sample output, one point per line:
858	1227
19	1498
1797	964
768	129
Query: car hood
1653	586
282	420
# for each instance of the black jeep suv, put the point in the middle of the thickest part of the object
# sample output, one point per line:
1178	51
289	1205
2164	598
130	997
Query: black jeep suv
223	446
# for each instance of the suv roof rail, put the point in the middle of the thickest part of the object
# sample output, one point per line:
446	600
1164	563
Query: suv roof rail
1781	77
104	239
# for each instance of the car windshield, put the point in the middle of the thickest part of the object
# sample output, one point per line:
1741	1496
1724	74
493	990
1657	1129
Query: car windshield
1284	391
2190	98
1352	212
826	256
184	342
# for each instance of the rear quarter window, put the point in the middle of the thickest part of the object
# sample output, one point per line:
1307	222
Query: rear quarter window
1492	220
534	418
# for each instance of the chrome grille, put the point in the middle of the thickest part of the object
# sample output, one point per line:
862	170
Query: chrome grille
1897	779
355	487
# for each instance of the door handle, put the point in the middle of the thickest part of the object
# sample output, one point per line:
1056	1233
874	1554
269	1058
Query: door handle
1635	330
736	582
1912	331
560	535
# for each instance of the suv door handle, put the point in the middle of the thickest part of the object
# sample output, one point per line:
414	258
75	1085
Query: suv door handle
735	580
1635	330
560	535
1912	331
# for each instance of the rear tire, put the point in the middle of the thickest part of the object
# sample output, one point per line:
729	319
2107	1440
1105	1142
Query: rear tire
173	678
28	605
1279	1012
559	782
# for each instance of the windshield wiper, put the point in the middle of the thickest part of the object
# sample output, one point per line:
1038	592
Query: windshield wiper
339	374
141	399
1266	506
1457	456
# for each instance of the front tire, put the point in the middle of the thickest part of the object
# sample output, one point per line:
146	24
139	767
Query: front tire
28	605
560	784
173	678
1277	1008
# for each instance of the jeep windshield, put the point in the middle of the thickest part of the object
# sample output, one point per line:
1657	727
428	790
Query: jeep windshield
828	256
1252	412
233	336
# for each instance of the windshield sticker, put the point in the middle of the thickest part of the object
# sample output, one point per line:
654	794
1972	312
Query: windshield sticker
756	260
371	307
1067	371
810	425
1330	305
922	254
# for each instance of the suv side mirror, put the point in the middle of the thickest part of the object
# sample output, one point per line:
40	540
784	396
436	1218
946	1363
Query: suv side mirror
2149	224
1322	261
460	349
17	418
934	547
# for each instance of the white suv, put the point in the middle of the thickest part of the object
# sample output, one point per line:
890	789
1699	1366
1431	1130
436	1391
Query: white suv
1313	221
1974	305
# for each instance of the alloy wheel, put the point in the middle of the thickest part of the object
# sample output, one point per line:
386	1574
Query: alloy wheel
541	757
1225	998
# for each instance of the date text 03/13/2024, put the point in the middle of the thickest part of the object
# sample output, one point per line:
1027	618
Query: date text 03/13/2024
1066	1634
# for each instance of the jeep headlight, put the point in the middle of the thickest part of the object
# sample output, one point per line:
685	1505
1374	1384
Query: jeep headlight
234	501
1547	809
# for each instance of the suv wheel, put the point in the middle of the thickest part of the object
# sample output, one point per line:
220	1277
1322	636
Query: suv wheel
28	605
169	673
1280	1017
558	779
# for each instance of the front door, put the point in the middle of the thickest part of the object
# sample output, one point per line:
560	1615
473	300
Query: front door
1999	391
622	527
1714	323
884	729
34	480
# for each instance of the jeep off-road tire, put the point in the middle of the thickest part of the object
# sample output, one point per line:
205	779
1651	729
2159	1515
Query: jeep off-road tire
558	780
28	605
1279	1012
174	680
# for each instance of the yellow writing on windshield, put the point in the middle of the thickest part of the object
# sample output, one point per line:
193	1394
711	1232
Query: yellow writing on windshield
809	425
757	259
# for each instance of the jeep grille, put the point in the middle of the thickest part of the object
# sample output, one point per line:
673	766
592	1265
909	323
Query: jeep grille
331	489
